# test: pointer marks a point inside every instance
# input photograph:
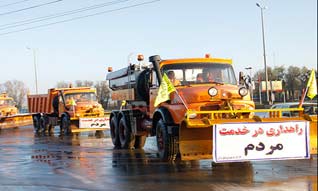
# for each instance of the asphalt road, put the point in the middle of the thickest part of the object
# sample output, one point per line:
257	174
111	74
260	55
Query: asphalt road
84	162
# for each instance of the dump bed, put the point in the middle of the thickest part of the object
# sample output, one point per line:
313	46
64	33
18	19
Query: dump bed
39	103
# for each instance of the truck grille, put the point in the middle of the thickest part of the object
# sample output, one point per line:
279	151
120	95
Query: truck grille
209	108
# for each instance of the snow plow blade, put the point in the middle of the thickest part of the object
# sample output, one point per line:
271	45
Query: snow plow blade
196	137
313	132
15	121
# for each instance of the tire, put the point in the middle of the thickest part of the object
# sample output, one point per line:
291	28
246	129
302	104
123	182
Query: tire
167	144
51	129
99	134
66	125
140	141
127	139
36	123
114	132
43	124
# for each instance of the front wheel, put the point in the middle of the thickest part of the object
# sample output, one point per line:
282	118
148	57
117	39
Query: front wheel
66	125
167	144
99	134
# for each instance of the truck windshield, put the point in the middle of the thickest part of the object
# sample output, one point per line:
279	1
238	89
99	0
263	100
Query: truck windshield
196	73
7	102
81	97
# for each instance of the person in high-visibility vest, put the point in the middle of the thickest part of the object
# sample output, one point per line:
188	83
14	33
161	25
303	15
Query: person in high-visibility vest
73	104
123	104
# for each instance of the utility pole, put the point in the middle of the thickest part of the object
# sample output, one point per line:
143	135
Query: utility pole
35	69
268	99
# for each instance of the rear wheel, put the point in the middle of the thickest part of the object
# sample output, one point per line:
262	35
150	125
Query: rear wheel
167	144
43	124
114	132
127	139
36	123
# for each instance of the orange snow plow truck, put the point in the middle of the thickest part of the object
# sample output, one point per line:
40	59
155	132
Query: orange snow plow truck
195	108
9	116
73	109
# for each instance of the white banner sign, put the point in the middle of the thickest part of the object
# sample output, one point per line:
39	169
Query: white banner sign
98	122
260	141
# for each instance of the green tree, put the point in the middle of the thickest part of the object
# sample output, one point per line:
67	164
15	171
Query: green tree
304	76
278	73
292	81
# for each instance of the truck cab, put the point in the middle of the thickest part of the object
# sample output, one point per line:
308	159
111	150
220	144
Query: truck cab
7	105
205	84
79	103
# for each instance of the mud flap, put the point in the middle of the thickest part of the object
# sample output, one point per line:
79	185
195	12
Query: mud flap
195	143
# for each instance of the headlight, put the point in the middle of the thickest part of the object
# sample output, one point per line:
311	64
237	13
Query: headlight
192	114
213	91
243	91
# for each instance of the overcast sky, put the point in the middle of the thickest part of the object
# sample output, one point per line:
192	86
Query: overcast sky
111	30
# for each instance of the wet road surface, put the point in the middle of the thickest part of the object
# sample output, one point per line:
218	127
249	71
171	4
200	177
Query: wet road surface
84	162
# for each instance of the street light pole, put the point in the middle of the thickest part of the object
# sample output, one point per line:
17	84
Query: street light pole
264	53
35	70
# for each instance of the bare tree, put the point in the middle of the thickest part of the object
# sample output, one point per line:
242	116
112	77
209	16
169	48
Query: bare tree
83	83
17	90
63	84
103	93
